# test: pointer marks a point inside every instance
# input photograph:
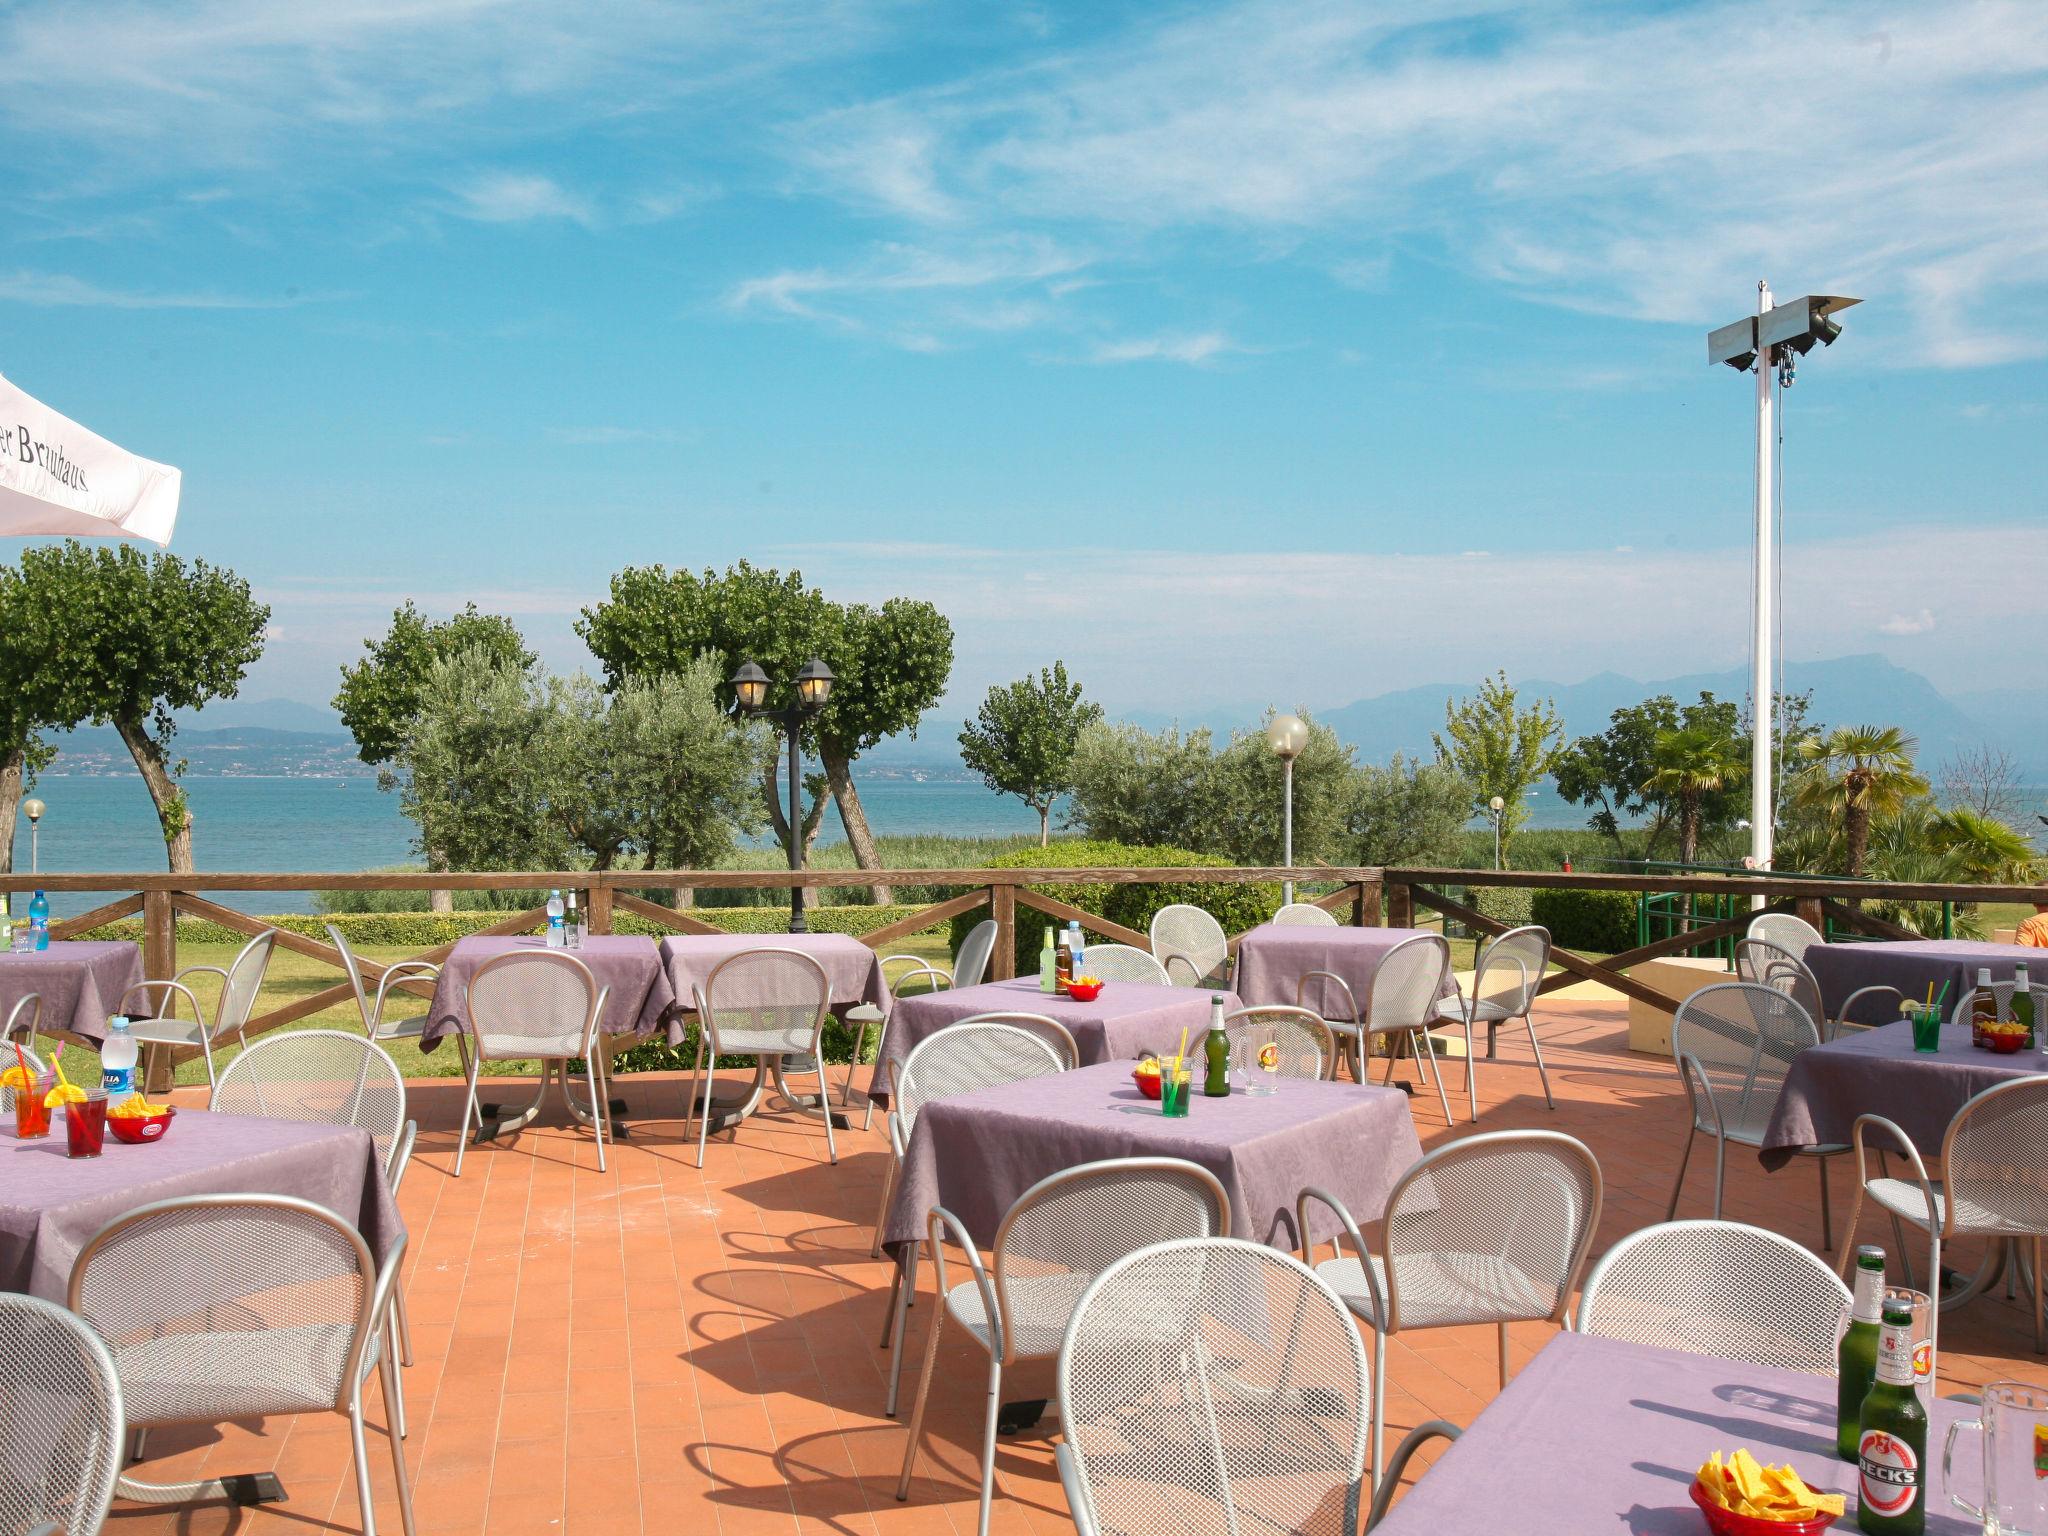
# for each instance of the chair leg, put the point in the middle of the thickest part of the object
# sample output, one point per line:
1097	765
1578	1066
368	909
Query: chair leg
403	1324
882	1215
860	1046
470	1109
593	1074
924	1391
2040	1347
1684	1157
1541	1071
904	1297
1848	1249
825	1106
988	1443
1379	1409
1471	1072
394	1393
1720	1172
362	1460
702	1104
1436	1072
1934	1312
1503	1327
1827	1226
399	1474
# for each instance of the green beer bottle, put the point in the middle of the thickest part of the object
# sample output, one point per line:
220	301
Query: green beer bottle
1891	1450
1856	1358
1216	1084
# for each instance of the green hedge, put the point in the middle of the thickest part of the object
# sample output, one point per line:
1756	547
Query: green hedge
1503	904
1603	922
1236	907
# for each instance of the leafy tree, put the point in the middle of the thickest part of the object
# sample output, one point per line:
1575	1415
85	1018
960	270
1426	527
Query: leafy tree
1983	849
1984	779
1501	748
891	663
108	635
24	753
1249	798
1022	741
1688	765
1853	773
1408	812
1615	773
380	692
1146	788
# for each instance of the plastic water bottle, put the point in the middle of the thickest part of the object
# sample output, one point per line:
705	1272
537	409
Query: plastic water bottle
1077	945
572	925
117	1060
39	919
554	919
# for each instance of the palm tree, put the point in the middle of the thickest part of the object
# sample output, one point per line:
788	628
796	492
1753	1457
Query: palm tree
1691	763
1855	772
1984	849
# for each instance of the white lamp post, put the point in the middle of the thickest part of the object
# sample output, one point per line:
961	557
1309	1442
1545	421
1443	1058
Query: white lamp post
1495	808
33	810
1287	735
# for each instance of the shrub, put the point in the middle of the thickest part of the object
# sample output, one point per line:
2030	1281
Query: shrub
1603	922
1501	903
1236	907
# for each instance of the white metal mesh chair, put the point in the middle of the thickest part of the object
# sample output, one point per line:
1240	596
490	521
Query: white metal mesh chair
1734	1043
36	1067
375	1025
2001	990
1490	1229
1305	1045
1212	1387
540	1005
221	1307
240	983
962	1057
1124	962
1192	946
969	968
1995	1156
61	1427
1718	1288
1305	914
1504	984
1406	988
24	1019
1061	1233
1767	964
761	1003
1786	930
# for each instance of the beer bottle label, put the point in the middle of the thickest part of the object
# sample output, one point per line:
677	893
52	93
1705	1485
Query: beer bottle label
1889	1481
1869	1294
1895	1355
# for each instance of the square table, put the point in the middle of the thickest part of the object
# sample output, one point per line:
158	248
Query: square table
1273	957
81	982
51	1205
1877	1072
1126	1020
975	1153
1597	1435
1913	967
640	1001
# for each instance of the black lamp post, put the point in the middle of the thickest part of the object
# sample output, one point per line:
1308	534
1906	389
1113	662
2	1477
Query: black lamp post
813	690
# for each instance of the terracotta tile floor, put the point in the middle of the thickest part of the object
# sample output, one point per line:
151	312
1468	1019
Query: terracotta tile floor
658	1349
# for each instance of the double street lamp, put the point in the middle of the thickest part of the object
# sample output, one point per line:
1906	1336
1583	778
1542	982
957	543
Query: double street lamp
1287	736
813	691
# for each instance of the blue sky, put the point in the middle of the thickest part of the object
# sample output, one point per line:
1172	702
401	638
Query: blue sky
1234	353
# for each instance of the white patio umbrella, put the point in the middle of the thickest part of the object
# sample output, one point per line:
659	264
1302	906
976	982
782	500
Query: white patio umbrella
58	478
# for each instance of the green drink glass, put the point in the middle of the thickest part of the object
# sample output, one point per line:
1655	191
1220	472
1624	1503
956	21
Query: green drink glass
1926	1029
1174	1082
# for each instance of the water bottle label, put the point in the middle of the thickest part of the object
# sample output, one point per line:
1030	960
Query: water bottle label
117	1081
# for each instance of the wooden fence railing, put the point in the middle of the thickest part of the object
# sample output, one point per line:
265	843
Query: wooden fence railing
1366	896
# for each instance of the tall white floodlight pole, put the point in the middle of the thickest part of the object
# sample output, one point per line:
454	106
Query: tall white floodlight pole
1287	735
1770	341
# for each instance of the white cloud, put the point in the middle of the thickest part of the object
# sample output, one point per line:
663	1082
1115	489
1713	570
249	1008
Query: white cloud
508	197
1193	350
61	290
1901	625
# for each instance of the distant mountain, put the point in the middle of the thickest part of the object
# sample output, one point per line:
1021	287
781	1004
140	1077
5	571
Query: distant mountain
264	714
246	752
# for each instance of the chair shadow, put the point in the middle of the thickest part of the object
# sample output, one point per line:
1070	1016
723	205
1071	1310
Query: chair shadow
1751	1430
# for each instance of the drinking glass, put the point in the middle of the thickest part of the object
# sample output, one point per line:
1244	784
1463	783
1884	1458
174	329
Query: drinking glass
1923	1341
1173	1090
2013	1422
1926	1027
1259	1059
31	1114
85	1124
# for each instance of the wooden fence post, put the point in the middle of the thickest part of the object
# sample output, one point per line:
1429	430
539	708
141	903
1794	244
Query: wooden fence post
159	963
1366	906
598	904
1003	900
1400	905
1809	910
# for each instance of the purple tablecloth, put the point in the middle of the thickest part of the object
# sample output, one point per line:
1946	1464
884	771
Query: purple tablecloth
641	999
1877	1072
852	970
1912	967
81	982
975	1153
51	1205
1596	1435
1273	957
1128	1019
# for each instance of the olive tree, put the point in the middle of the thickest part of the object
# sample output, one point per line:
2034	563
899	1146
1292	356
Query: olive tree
1500	747
1022	741
111	636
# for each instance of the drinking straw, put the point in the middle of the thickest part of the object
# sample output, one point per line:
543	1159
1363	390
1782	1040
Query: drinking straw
22	1061
1930	994
1177	1055
1944	993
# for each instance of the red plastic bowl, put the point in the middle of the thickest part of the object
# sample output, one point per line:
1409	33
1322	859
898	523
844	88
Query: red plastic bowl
1725	1522
2004	1045
137	1129
1148	1083
1084	991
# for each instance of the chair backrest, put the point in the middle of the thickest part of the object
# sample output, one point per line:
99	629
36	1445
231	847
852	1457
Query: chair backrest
36	1069
25	1018
1787	931
1072	1225
318	1076
220	1307
245	981
1768	965
1305	914
1190	944
1718	1288
61	1427
1213	1387
970	966
1744	1036
1123	962
975	1053
1511	1213
1306	1047
1408	983
1050	1030
530	1004
1510	969
2003	990
1996	1159
765	1001
350	964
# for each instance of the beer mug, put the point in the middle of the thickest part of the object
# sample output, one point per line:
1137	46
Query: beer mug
2013	1423
1923	1340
